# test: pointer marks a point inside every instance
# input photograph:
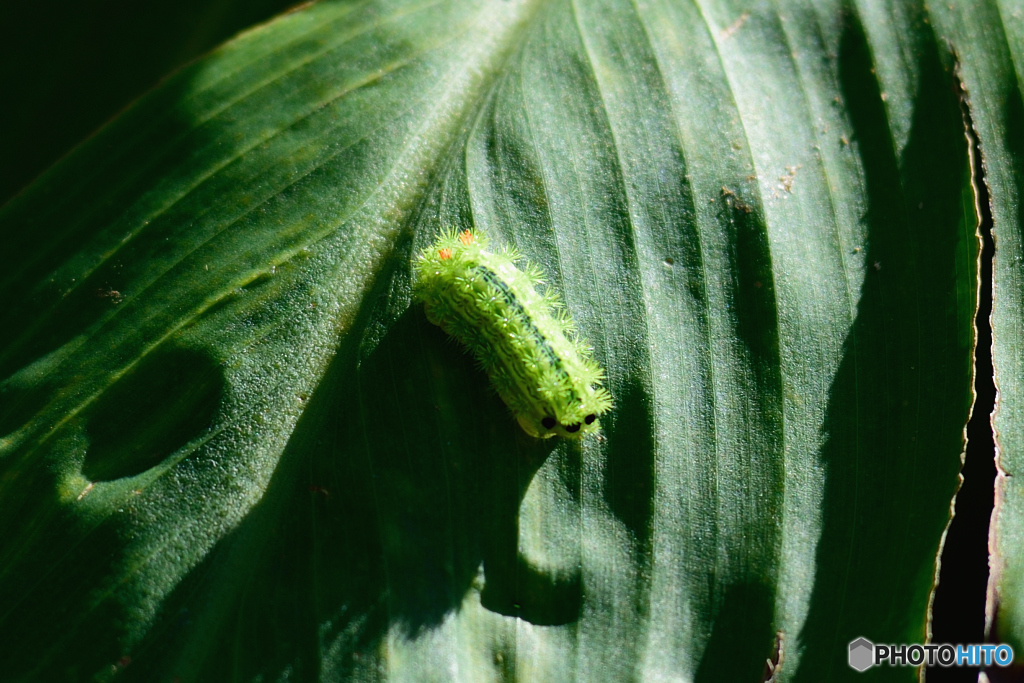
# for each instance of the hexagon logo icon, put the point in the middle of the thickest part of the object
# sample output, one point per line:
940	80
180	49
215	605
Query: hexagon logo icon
862	654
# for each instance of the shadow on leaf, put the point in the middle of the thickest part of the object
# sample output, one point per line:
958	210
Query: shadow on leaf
169	399
397	495
900	399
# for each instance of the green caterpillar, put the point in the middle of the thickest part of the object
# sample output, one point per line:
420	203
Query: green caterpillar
523	339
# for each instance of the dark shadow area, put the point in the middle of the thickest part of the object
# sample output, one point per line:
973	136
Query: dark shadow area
166	401
19	402
756	304
629	482
70	67
897	407
403	478
1011	674
518	589
447	485
35	624
958	608
743	622
37	543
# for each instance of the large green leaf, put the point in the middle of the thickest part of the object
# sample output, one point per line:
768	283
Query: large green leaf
233	450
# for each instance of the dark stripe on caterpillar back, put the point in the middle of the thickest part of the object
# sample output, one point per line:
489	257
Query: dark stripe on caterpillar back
491	278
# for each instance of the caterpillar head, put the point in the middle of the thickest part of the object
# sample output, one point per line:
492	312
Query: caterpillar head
572	422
